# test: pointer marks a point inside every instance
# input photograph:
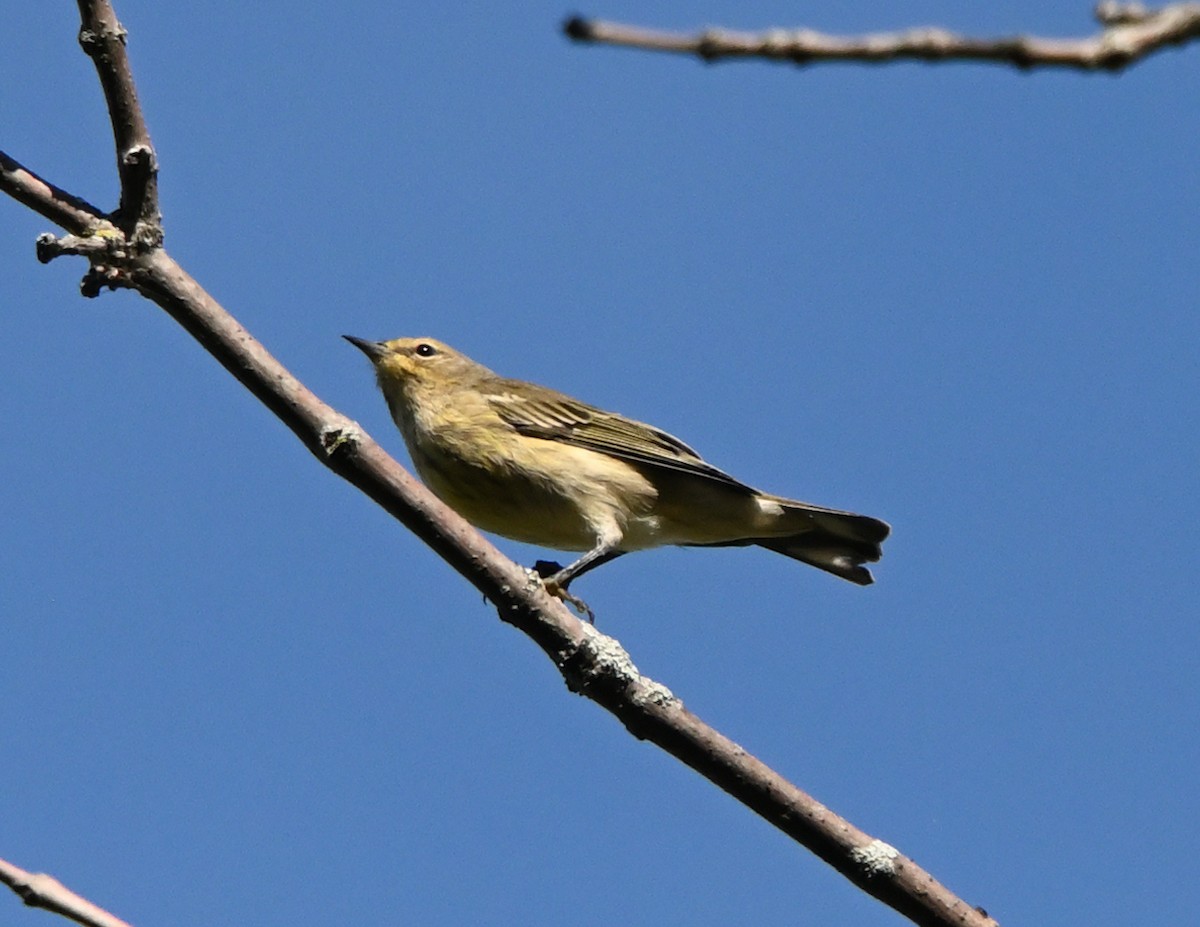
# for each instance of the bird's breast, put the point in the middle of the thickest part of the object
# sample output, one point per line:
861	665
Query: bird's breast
529	489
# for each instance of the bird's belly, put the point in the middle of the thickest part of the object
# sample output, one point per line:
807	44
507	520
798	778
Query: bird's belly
539	492
513	507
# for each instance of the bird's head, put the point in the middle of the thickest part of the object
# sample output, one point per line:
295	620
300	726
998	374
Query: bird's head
405	363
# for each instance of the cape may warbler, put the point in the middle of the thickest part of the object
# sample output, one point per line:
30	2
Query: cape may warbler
535	465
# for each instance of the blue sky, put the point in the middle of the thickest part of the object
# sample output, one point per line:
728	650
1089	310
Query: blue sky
958	298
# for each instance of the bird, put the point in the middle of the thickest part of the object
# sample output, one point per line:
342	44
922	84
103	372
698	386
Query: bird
529	463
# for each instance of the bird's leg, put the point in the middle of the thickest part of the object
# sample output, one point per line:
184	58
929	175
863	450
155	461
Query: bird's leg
600	554
556	583
548	569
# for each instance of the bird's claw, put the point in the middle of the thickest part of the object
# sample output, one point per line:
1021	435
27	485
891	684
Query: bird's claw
551	585
547	570
574	601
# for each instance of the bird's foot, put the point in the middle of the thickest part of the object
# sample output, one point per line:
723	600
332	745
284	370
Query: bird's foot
580	606
548	570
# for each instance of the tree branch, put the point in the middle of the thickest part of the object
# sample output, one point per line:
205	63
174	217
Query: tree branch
69	212
1130	33
130	255
103	39
39	890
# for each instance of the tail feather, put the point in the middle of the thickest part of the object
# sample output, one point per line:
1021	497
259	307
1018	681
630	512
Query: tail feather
832	554
831	540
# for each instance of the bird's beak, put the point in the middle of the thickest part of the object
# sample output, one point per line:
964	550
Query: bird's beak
373	349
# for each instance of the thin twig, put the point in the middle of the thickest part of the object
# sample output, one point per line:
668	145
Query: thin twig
39	890
69	212
591	663
1130	34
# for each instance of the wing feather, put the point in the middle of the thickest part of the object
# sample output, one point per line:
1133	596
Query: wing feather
557	417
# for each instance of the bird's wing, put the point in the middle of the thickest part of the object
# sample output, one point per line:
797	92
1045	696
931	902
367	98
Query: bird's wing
558	417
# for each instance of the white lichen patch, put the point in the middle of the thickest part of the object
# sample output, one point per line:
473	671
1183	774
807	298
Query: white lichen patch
655	693
610	659
876	858
608	656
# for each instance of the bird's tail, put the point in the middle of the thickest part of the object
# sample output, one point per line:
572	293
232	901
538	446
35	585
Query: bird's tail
831	540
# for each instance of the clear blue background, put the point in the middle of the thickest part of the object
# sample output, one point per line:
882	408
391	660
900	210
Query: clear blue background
960	298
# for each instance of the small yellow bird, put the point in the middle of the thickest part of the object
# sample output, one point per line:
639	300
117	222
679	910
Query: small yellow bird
532	464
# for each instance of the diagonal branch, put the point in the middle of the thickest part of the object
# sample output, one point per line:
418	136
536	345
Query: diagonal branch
1130	33
39	890
592	664
60	207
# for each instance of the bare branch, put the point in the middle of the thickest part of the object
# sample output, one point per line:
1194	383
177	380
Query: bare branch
603	671
592	664
38	890
1130	34
129	254
103	38
70	212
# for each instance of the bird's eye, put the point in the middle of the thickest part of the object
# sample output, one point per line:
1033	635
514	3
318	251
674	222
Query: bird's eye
425	350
